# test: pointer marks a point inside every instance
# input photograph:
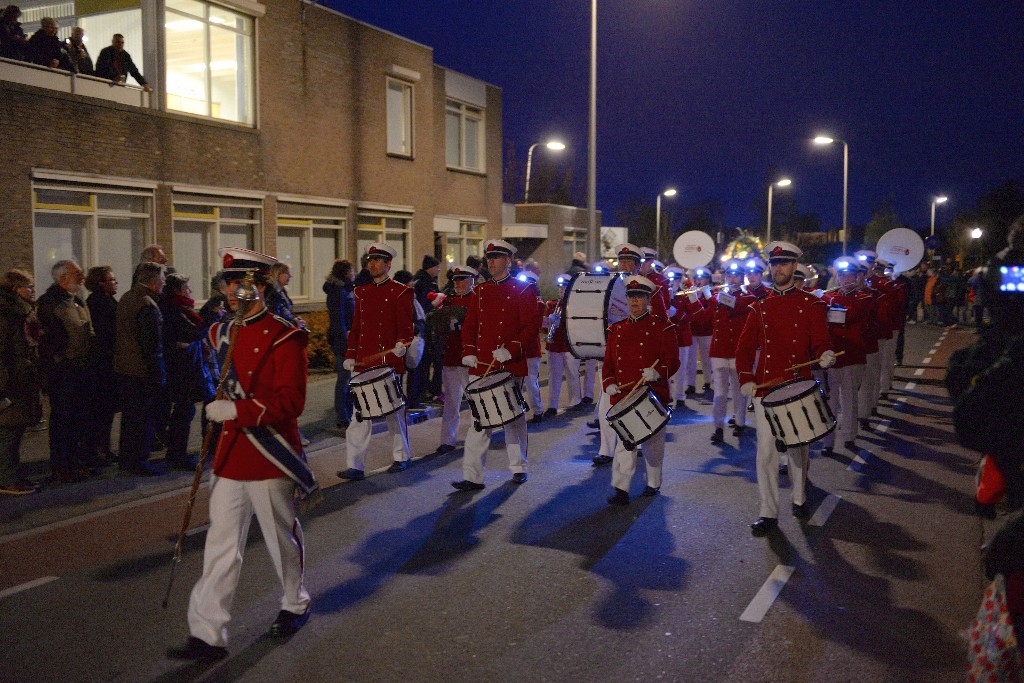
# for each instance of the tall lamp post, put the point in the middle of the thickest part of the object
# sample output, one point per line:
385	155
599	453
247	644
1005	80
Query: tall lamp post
594	234
825	140
784	182
554	145
671	192
936	200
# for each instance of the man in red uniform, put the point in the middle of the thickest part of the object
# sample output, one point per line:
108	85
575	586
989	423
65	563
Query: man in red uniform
729	312
258	461
382	329
500	324
754	269
560	360
641	348
702	326
686	307
651	269
893	315
867	399
533	354
788	327
455	375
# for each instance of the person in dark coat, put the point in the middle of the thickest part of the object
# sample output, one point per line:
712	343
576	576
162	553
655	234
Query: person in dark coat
116	64
579	263
78	52
12	35
340	308
421	380
102	283
46	49
277	300
215	307
20	405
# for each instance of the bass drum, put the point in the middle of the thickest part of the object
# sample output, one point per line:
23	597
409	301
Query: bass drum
593	301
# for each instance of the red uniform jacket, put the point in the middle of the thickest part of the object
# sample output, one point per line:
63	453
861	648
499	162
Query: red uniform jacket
663	291
728	323
635	344
850	337
702	323
789	328
685	312
892	304
884	302
269	361
534	349
501	314
383	317
870	297
453	345
557	343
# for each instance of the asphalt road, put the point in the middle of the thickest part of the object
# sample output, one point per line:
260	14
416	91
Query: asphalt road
544	581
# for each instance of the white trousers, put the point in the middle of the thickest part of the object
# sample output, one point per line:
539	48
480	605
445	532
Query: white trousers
768	467
589	377
559	364
727	382
232	505
357	439
453	381
867	396
678	382
624	464
702	346
478	441
533	385
887	363
843	384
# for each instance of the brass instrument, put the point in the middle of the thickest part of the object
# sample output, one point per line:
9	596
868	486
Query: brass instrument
684	292
557	313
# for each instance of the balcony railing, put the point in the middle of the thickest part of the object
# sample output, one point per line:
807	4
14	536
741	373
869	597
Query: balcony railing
25	73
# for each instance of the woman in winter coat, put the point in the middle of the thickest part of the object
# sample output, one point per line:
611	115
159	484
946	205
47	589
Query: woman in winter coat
20	381
102	283
340	308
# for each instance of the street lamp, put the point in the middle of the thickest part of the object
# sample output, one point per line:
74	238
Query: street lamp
785	182
825	140
976	233
554	145
936	200
594	234
671	192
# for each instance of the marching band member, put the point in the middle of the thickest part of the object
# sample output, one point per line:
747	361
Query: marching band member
455	375
686	306
650	269
641	348
867	397
754	269
382	329
702	326
501	323
533	354
560	360
789	328
729	311
631	258
893	315
258	462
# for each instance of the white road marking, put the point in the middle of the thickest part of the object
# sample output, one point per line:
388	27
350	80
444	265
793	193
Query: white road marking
936	345
919	372
927	359
910	386
821	515
6	593
762	602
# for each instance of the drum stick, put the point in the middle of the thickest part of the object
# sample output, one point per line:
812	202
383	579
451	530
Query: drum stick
377	357
493	361
640	383
773	382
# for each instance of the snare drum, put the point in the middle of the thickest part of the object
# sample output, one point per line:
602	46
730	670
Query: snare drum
636	419
495	400
837	315
376	392
797	412
593	302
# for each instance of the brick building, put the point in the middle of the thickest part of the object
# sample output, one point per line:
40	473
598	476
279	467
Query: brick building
276	125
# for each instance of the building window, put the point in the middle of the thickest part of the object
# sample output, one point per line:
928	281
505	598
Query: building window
92	225
468	242
399	108
310	238
204	224
464	141
575	240
393	230
209	53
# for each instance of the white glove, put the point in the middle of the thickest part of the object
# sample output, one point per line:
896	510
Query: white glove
650	375
692	296
818	293
453	324
828	359
349	364
612	389
548	322
221	411
469	361
748	389
502	355
399	349
706	291
672	311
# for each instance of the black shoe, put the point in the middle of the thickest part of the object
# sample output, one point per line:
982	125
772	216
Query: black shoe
738	431
706	388
850	445
398	466
586	400
827	452
763	526
593	424
550	412
519	477
467	485
444	449
801	511
680	404
691	390
536	419
865	424
620	498
731	422
352	474
601	460
750	407
874	412
198	651
287	623
650	491
718	437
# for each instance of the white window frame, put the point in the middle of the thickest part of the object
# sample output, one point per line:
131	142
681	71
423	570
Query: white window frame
214	222
467	112
470	239
408	107
383	231
577	237
294	218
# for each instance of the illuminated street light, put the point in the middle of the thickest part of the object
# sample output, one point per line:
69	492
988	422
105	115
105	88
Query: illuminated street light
825	140
785	182
554	145
976	233
671	192
936	200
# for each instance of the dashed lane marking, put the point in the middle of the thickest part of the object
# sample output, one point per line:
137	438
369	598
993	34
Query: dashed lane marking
824	510
762	602
8	592
927	359
919	372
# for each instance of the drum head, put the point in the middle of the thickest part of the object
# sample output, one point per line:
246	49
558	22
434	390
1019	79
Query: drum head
694	249
901	247
625	406
371	375
593	301
488	381
789	391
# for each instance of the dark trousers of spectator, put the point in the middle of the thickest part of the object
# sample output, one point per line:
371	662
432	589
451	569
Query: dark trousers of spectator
10	454
104	406
69	388
899	344
139	398
979	315
342	395
179	424
162	406
946	313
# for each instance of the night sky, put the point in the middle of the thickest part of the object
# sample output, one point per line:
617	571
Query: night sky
710	96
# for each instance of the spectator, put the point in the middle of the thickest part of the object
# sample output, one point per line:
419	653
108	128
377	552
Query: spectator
340	307
102	283
154	253
930	283
46	49
12	36
425	289
214	308
116	64
139	364
64	355
188	373
579	263
943	295
277	300
78	53
978	296
19	377
918	279
480	266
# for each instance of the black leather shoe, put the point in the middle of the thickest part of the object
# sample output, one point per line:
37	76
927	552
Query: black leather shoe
801	511
398	466
731	422
593	424
620	498
519	477
763	526
444	449
602	460
827	452
352	474
850	445
719	436
738	431
750	407
467	485
287	623
650	491
551	412
586	400
707	388
536	419
680	404
783	470
198	651
691	390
